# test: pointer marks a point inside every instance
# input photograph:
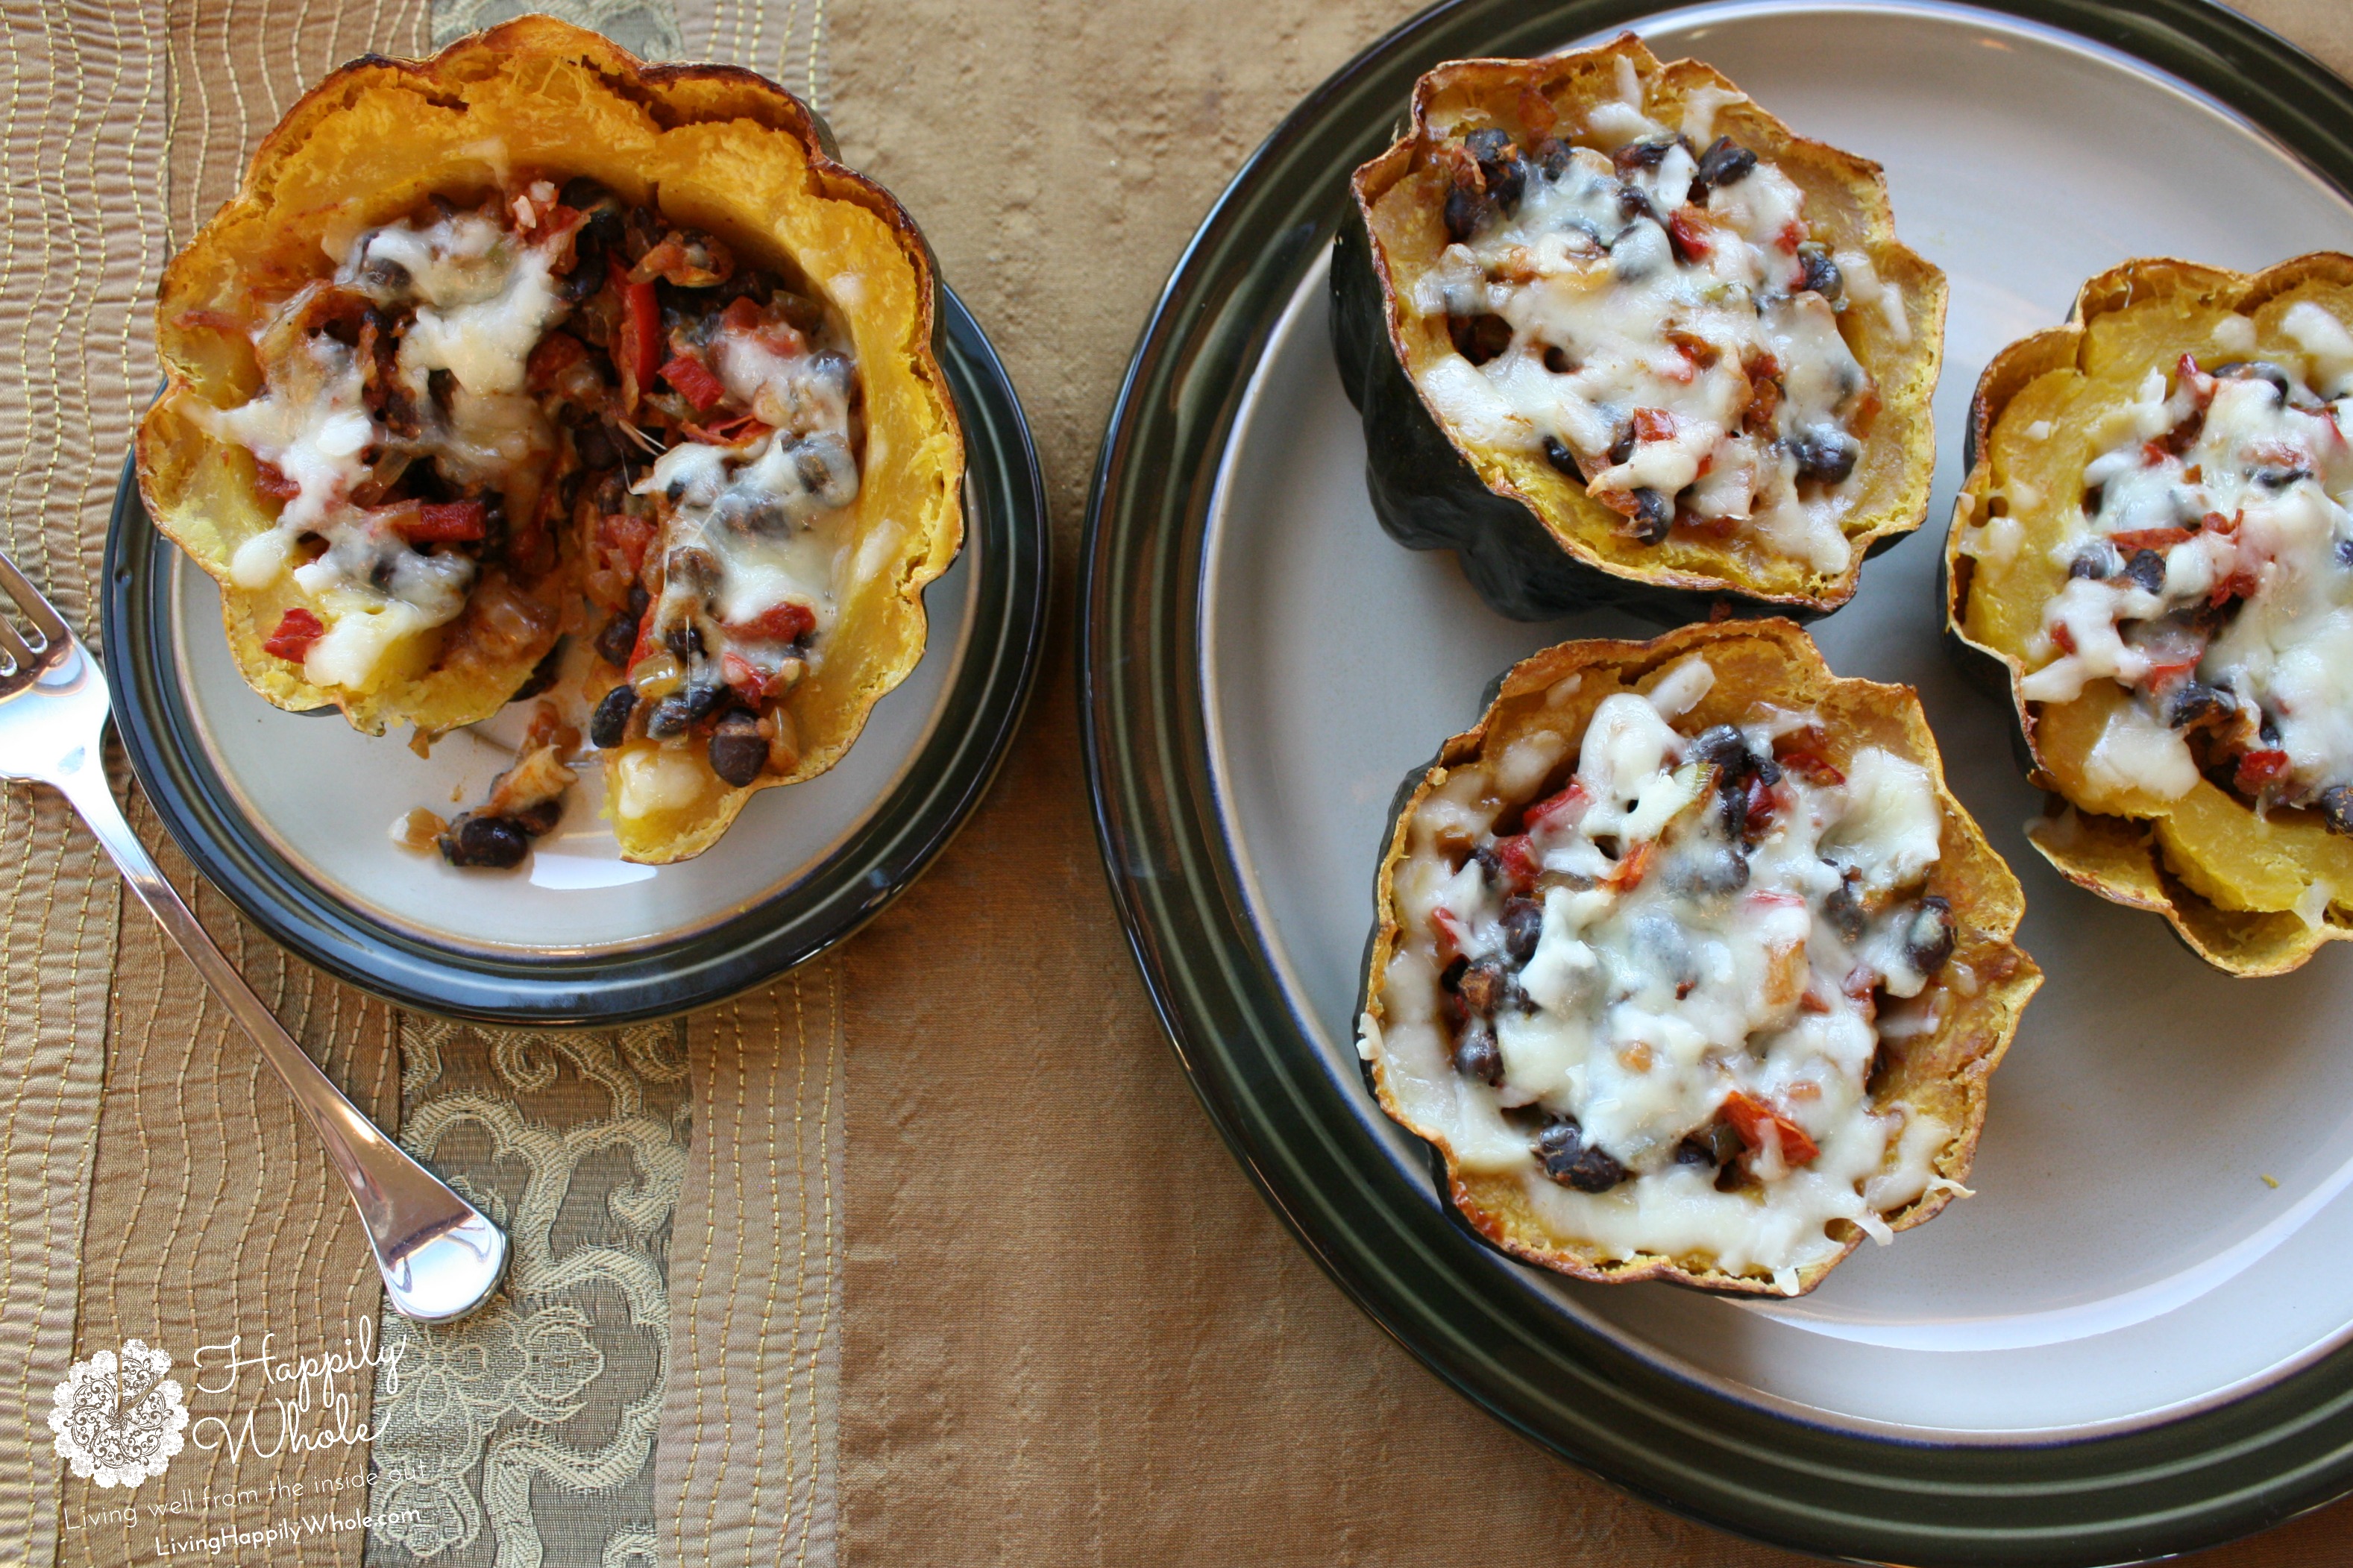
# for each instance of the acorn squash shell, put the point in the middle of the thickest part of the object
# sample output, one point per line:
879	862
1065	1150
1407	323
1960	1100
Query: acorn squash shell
2192	861
1767	660
714	146
1532	542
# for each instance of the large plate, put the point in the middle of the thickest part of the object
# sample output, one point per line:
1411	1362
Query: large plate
2132	1342
288	815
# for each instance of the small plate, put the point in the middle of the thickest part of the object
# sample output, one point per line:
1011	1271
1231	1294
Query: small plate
2132	1342
289	815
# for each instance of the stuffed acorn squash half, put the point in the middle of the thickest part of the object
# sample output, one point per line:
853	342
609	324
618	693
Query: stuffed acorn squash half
1689	965
532	339
2153	553
1618	336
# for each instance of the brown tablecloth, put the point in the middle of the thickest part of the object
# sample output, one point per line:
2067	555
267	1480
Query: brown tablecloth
1064	1328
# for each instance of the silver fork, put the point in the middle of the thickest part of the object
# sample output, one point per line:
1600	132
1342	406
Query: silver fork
439	1256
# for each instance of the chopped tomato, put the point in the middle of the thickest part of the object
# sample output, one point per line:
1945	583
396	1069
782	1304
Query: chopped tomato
787	622
2237	585
637	351
1757	816
2163	673
272	483
2259	768
743	675
734	431
2062	638
694	382
2215	523
297	628
1693	239
1810	766
1449	931
1792	235
1750	1117
1561	810
2134	539
1653	424
1628	874
626	539
1518	859
437	522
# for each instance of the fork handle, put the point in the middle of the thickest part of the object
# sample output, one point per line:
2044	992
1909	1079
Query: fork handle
400	1202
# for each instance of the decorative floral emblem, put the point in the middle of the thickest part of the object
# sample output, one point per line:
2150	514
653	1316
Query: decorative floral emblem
117	1419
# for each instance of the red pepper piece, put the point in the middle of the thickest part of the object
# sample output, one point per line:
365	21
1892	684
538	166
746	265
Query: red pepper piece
2237	585
1757	812
271	481
440	523
2134	539
743	675
1750	1117
1810	766
626	538
694	382
1561	810
1694	241
787	622
2062	638
1516	858
638	352
297	628
1653	424
1628	874
2259	768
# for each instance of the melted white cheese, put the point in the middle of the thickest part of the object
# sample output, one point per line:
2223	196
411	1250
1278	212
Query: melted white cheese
1646	1005
1605	320
2261	490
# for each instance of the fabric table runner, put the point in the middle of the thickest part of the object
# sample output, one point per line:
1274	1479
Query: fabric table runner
923	1254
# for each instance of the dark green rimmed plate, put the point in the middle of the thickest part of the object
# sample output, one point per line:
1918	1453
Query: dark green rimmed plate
1236	635
288	813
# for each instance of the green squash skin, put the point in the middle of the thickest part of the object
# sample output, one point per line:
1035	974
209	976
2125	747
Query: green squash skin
1428	496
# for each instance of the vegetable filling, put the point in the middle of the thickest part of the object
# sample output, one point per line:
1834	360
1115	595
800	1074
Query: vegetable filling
555	372
2211	576
1659	968
1646	309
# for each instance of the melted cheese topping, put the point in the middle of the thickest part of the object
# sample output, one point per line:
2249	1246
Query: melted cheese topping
765	522
1673	956
1703	367
481	301
2212	574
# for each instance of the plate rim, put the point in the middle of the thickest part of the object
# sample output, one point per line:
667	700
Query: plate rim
2198	1479
936	793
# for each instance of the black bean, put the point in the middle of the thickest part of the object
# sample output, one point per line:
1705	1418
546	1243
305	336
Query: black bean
2267	729
1499	164
538	821
484	841
2345	553
582	192
1720	747
1450	979
738	750
1481	987
618	637
692	567
1714	1144
1635	203
595	445
1822	274
2193	703
685	641
1479	338
1556	359
1562	459
1928	939
683	709
1825	454
2337	808
2275	478
542	674
1654	514
1726	163
1491	865
1720	869
1641	155
1523	928
1551	157
2147	568
755	512
2097	561
609	725
1623	446
386	275
1476	1055
1568	1158
2092	500
1465	210
1844	911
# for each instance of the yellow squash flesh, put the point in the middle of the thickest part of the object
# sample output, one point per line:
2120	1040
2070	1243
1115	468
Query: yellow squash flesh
1984	986
1402	197
709	146
2229	879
